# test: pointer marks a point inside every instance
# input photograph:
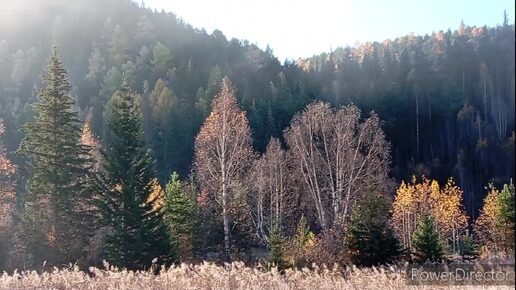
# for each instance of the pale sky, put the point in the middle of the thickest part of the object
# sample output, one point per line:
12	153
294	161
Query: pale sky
303	28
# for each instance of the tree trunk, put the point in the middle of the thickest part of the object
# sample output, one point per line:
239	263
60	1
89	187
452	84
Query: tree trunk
430	127
485	101
227	245
417	128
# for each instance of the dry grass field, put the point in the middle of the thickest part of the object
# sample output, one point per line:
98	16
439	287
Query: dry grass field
210	276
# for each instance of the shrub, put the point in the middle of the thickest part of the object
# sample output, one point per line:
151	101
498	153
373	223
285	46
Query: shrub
299	248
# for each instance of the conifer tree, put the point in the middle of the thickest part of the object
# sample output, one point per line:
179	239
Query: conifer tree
161	102
276	254
425	241
468	247
181	217
299	248
507	215
56	202
370	240
161	59
137	233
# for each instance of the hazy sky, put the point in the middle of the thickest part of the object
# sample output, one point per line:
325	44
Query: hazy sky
301	28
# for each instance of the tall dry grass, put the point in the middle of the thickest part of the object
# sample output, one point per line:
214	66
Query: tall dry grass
210	276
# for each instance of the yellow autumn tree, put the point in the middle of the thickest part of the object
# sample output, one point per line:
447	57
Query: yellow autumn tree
416	199
157	195
401	212
448	213
223	153
408	206
487	228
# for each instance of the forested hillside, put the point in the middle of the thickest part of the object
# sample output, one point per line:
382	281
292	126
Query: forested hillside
443	107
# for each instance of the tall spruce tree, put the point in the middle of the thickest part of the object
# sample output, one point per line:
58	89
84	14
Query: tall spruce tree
137	233
56	206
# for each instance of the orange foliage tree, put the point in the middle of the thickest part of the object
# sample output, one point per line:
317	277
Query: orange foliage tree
413	200
223	153
488	229
156	196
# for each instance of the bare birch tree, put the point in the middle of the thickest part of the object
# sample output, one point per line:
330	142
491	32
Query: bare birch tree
223	152
269	185
339	157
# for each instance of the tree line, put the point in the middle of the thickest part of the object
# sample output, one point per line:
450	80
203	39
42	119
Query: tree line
321	196
446	98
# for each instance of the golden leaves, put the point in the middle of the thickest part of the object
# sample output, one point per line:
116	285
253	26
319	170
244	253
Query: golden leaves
89	139
427	197
487	227
156	196
223	146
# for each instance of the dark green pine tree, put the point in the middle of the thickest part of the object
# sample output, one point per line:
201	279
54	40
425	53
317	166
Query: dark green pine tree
370	240
181	212
468	247
425	241
276	253
137	234
56	215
